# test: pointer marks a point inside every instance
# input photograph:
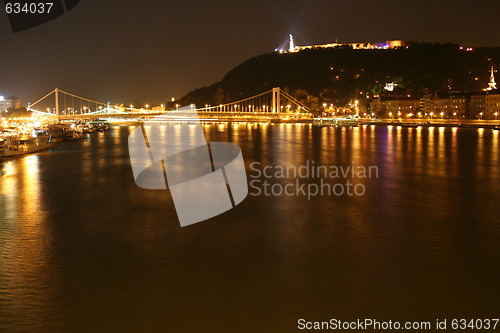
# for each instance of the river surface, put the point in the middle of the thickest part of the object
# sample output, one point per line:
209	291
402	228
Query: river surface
83	249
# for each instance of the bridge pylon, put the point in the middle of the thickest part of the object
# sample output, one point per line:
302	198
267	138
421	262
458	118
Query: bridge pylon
276	102
58	112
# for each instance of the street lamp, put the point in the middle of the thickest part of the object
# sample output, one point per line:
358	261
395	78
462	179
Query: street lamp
481	116
496	115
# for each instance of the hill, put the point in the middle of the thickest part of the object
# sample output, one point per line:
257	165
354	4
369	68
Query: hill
338	75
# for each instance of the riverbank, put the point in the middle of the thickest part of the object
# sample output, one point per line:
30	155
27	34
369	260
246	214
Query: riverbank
491	124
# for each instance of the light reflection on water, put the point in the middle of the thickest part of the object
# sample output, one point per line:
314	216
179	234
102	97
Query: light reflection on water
83	249
25	258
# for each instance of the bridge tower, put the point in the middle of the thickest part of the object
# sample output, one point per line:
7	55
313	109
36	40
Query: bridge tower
56	91
276	106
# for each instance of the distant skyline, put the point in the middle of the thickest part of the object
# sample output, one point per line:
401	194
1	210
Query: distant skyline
150	51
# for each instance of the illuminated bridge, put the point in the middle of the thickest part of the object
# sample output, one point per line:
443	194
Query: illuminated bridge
269	105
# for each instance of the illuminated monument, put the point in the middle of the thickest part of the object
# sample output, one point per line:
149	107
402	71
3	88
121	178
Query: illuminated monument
292	44
492	85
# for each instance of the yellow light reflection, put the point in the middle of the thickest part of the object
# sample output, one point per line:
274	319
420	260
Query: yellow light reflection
25	257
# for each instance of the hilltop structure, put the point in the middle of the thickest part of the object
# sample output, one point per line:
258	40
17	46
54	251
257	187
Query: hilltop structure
392	44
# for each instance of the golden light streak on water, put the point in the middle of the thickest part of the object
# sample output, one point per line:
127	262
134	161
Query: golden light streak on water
26	244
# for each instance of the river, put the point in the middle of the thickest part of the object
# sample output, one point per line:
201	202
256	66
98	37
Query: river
84	249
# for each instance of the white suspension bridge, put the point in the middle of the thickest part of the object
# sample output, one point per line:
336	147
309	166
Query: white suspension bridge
271	104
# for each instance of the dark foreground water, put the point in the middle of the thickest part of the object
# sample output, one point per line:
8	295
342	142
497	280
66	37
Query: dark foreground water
83	249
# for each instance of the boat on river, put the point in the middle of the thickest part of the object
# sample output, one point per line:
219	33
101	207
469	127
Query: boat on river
338	122
100	125
56	132
72	135
21	145
408	124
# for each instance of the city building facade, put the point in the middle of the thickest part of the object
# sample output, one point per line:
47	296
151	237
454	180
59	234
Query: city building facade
477	105
7	104
395	107
492	106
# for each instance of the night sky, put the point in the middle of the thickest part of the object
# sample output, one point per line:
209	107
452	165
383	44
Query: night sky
152	50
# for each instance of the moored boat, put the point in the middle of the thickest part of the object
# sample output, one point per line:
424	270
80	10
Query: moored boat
85	128
100	125
72	135
343	122
21	145
409	125
56	132
2	147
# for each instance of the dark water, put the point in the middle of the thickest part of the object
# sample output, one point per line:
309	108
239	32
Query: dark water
83	249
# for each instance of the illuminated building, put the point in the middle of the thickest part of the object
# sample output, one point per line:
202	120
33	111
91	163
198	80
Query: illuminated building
451	105
492	85
395	107
393	44
491	99
492	106
9	103
477	105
